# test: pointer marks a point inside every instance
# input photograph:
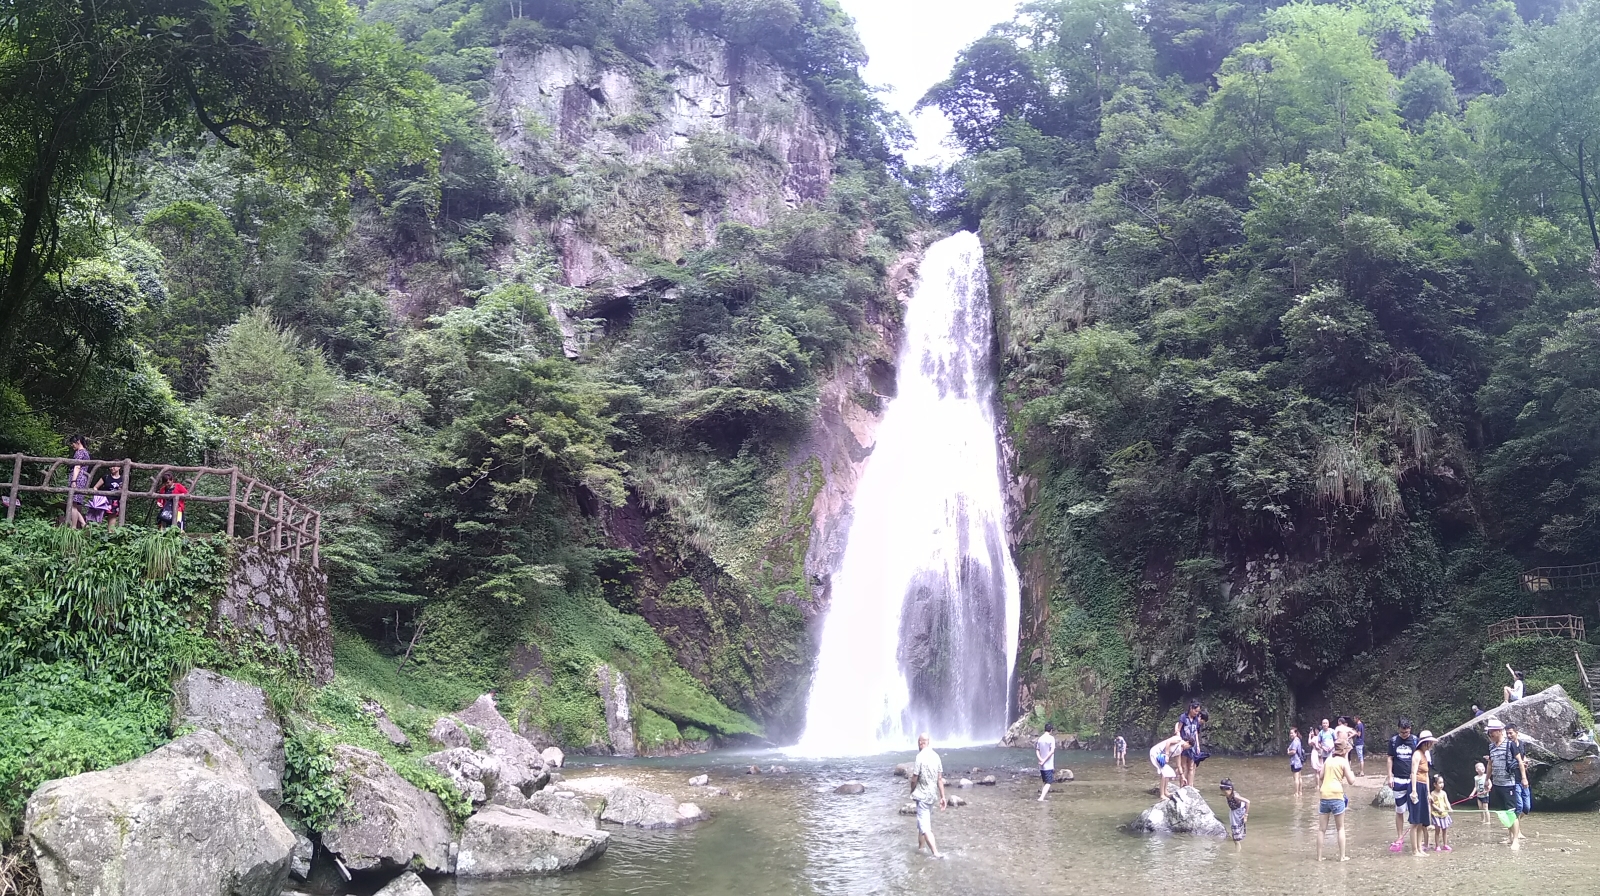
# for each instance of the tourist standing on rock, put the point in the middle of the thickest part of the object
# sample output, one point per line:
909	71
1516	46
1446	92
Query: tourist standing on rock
1513	693
1045	749
1401	748
1360	743
927	783
1188	728
1418	811
1164	757
1238	813
1119	751
1335	778
1297	757
1503	770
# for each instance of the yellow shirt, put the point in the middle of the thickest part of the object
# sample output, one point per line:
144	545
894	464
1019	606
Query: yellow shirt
1332	785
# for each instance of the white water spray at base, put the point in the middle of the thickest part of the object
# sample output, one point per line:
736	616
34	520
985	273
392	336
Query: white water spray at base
922	631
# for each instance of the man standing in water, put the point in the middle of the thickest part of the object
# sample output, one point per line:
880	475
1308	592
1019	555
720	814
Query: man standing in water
1503	771
927	782
1119	751
1401	748
1045	749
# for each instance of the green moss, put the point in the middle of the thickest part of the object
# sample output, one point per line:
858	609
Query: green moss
657	731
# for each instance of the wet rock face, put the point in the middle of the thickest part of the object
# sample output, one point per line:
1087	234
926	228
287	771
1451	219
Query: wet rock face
185	818
636	807
239	713
1563	763
1185	812
619	716
387	822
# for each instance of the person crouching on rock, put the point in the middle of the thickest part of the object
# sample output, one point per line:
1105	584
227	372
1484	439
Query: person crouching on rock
1164	757
927	782
1336	776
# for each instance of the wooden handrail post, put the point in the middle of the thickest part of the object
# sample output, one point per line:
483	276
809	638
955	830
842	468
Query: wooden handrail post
316	540
16	480
122	499
233	497
277	524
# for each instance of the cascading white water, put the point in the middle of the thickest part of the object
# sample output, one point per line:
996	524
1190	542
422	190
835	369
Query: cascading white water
922	631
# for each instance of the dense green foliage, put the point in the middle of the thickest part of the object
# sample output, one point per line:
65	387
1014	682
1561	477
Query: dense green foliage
361	306
93	625
1298	327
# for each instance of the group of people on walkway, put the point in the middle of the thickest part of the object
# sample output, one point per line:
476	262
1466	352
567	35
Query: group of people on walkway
88	479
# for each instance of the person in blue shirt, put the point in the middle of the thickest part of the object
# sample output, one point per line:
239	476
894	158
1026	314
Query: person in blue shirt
1360	743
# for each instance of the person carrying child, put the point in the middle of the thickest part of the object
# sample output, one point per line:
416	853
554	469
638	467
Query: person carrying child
1439	815
171	509
1238	813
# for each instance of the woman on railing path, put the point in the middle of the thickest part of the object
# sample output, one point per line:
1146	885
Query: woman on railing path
171	513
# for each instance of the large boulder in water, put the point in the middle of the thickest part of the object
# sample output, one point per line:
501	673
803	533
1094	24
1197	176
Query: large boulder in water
185	818
1185	812
1563	762
387	822
640	808
502	841
240	713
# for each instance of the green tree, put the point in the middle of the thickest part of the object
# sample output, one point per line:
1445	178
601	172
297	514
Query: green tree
1547	123
298	85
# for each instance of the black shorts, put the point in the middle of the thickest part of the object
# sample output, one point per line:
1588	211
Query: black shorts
1047	775
1502	797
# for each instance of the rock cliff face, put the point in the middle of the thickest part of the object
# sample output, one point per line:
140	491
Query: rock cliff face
693	89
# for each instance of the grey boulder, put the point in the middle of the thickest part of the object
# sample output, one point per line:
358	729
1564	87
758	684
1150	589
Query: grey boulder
1384	798
240	713
640	808
385	725
387	822
552	756
1563	762
850	788
699	780
449	733
903	770
472	773
1023	732
566	806
185	818
613	688
1185	812
408	884
502	841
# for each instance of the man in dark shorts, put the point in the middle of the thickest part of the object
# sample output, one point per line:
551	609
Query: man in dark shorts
1188	728
1045	749
1401	746
1503	771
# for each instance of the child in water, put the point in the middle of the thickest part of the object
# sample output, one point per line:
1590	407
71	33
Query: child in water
1238	813
1439	812
1480	790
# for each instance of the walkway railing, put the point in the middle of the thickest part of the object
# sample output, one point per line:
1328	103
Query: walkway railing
1551	578
245	507
1538	627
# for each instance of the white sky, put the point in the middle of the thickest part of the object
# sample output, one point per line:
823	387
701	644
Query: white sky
913	43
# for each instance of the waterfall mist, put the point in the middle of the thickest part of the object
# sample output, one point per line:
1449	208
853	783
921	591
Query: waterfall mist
922	631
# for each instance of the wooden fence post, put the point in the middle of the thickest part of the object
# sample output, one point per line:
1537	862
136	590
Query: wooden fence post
16	480
316	540
122	499
233	496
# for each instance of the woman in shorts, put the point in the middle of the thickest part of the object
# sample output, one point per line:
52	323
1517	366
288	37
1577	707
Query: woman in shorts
1335	777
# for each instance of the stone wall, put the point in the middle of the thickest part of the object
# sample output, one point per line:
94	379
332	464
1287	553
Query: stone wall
282	599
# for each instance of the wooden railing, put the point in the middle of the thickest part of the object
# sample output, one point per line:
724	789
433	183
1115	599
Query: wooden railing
244	507
1552	578
1538	627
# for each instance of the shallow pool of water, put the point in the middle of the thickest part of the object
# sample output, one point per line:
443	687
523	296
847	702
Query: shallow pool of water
791	834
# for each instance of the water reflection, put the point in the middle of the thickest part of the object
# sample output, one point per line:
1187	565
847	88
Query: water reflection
792	835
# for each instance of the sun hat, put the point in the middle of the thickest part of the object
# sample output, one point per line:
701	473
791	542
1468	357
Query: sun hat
1495	725
1425	736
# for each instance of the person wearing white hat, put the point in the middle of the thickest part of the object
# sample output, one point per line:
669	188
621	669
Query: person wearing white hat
1502	780
1417	812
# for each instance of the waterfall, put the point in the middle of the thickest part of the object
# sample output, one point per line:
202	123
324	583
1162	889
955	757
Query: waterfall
922	631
